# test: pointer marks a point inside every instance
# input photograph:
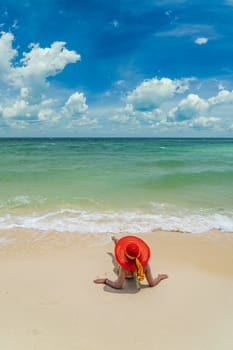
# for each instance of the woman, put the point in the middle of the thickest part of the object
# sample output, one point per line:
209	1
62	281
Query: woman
132	254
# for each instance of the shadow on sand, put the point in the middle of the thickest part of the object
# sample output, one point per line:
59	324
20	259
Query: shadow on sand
129	285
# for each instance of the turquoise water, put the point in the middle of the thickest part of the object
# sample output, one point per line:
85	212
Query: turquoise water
116	185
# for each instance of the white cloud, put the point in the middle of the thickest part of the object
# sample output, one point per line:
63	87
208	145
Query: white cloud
75	111
223	97
201	41
124	115
38	65
120	118
20	113
26	83
158	104
190	107
75	106
205	122
163	105
134	118
48	115
7	54
30	75
151	93
221	86
18	109
83	121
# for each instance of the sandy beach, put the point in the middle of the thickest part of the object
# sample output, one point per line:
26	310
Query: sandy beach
48	299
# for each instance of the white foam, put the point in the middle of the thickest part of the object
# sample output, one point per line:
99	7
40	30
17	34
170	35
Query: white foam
22	201
71	220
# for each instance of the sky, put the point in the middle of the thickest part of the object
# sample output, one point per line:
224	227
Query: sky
126	68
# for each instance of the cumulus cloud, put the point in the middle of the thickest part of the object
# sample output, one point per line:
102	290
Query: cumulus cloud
20	113
75	111
120	118
124	115
47	114
221	86
189	108
128	115
151	93
201	41
75	106
157	103
17	110
199	113
7	54
165	104
26	81
204	122
38	65
224	96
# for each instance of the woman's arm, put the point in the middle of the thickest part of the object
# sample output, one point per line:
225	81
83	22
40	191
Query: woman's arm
118	284
153	281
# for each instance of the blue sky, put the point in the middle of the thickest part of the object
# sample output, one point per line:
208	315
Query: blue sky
126	68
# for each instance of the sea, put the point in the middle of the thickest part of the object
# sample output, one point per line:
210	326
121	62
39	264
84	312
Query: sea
116	185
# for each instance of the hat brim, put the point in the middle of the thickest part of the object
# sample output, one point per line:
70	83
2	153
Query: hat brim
120	249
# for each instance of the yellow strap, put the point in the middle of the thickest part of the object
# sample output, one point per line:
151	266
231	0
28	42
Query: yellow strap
136	280
140	270
139	266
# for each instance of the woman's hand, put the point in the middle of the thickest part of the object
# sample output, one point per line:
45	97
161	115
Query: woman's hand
100	280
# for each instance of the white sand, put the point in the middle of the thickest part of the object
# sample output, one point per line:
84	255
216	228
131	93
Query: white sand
49	302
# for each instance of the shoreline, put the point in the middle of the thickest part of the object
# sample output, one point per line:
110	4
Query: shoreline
207	248
49	301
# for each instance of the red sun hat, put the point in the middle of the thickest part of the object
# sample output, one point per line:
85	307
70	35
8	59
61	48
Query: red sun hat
128	248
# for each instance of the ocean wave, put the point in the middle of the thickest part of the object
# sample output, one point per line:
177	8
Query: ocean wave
23	201
72	220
